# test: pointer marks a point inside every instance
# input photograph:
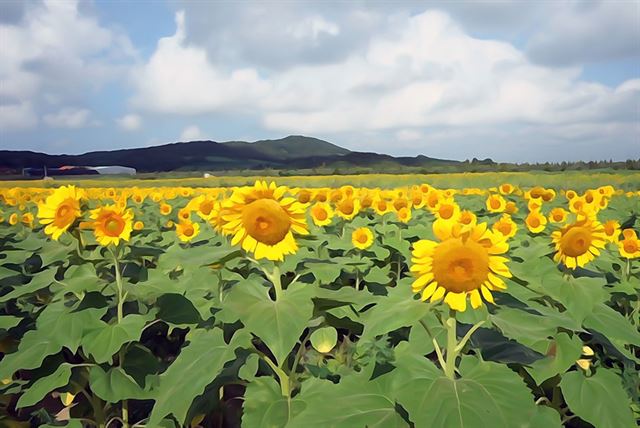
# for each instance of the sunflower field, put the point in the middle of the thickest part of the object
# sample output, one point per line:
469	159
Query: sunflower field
344	306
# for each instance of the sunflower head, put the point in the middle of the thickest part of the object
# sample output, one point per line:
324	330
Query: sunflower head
60	210
321	214
465	262
496	203
187	230
404	214
505	226
611	230
629	246
558	215
578	243
263	221
535	221
111	224
348	207
165	208
362	238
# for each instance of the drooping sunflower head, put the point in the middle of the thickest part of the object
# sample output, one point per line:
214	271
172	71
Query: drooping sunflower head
505	226
187	230
321	214
60	210
506	189
362	238
348	207
535	221
465	262
263	221
578	243
112	223
611	230
496	203
629	247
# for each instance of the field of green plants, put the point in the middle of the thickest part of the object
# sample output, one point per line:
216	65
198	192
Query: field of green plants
413	304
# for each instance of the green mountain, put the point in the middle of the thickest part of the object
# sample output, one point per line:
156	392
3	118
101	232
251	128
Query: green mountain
291	147
294	152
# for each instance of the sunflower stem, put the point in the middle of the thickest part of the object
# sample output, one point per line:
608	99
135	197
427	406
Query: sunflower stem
121	297
275	279
467	336
627	269
450	362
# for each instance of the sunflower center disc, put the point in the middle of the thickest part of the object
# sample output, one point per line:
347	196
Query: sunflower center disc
266	221
460	266
576	241
113	226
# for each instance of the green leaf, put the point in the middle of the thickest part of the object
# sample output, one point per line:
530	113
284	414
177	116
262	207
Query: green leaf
545	417
43	386
355	402
279	323
526	328
115	385
398	309
324	339
563	353
265	407
177	309
196	366
9	321
599	399
107	339
613	325
579	295
379	275
38	282
56	327
487	395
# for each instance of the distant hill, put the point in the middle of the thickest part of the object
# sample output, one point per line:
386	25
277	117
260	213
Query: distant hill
292	152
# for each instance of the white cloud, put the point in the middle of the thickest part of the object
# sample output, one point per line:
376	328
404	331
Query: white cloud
420	73
69	117
130	122
191	133
313	27
17	116
57	55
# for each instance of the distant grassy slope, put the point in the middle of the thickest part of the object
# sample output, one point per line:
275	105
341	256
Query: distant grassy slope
291	147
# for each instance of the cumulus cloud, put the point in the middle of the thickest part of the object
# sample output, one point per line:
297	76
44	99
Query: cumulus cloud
582	32
417	80
191	133
69	117
53	54
130	122
17	116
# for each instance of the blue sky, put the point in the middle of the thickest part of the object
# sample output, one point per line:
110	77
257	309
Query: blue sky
515	81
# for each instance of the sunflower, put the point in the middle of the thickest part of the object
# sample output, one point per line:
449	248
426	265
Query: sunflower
611	230
187	230
138	225
467	218
496	203
14	219
629	246
60	210
321	213
404	214
506	189
505	226
511	208
558	215
381	206
535	221
466	262
578	243
27	218
263	222
165	209
348	208
203	205
111	224
362	238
